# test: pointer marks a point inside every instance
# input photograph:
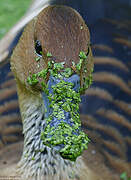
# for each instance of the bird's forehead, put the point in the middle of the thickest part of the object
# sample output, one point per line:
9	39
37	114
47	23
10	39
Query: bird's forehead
62	31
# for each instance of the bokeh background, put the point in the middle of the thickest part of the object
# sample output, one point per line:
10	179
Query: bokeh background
10	12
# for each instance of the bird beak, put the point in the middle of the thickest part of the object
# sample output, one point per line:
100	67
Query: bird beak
62	130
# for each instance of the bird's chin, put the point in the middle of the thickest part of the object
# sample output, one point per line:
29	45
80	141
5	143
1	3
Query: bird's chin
62	130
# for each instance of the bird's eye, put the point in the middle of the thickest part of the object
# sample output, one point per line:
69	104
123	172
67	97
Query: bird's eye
88	51
38	48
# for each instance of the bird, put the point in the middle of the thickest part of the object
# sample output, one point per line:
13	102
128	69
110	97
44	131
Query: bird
92	124
58	36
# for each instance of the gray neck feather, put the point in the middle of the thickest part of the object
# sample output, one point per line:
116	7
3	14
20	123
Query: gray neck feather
39	162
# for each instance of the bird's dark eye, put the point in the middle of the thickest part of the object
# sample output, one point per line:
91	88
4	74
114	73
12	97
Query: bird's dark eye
38	48
88	51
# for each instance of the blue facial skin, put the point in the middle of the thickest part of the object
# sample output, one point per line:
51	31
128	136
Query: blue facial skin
75	80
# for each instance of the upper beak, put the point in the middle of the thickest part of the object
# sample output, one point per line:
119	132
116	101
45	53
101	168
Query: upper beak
62	130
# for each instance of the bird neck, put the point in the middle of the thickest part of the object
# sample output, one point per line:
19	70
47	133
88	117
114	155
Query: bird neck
38	160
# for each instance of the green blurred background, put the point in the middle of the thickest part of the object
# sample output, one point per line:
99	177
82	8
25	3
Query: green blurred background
10	12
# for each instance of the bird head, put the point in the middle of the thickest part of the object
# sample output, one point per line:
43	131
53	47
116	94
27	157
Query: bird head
53	64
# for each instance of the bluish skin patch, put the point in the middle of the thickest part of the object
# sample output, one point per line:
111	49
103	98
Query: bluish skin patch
75	79
70	124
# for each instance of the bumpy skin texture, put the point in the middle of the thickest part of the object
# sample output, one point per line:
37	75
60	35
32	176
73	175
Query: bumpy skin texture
62	32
